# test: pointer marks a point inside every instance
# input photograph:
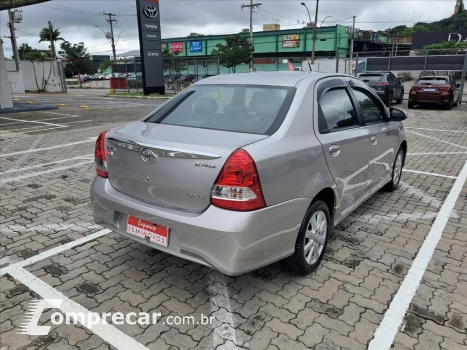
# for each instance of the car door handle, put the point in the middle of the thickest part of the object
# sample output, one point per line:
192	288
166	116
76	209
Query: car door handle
374	141
334	150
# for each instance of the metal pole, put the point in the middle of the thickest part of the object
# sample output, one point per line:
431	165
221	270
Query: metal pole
464	74
337	60
315	34
14	45
352	42
356	65
110	21
251	7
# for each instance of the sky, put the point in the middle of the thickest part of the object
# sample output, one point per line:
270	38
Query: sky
77	19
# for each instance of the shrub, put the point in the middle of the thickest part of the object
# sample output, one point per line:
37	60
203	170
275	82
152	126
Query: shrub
404	76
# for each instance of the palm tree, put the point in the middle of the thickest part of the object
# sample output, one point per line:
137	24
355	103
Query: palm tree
51	35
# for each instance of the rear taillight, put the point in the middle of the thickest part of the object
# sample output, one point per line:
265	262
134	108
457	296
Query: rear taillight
383	83
238	187
99	156
444	88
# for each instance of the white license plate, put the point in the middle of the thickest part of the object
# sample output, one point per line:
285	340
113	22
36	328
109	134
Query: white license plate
144	229
429	90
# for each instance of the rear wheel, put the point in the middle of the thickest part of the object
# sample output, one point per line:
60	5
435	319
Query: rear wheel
396	172
401	97
312	239
411	105
448	106
388	101
455	103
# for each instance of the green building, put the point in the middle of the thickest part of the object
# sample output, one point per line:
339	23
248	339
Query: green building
273	48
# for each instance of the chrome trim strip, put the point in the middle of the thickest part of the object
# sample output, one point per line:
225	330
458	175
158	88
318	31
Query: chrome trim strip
161	150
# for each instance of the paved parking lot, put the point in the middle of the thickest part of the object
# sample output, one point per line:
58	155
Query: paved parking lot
51	249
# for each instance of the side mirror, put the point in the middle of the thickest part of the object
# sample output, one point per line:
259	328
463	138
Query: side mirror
397	114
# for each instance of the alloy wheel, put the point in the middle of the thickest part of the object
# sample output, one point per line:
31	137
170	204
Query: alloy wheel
315	237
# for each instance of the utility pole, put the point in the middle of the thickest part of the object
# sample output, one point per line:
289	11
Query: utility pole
14	45
110	20
252	7
315	34
351	45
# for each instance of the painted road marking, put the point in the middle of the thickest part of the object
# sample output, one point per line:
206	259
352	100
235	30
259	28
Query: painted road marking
433	153
104	330
15	169
393	317
29	121
53	170
439	140
432	174
91	139
57	250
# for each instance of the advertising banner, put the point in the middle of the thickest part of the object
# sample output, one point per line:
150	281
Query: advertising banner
177	46
290	40
196	46
150	46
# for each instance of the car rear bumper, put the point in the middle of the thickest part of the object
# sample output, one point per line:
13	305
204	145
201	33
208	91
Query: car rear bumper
231	242
429	99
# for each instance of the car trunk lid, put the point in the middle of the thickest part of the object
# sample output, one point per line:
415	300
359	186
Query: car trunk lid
168	165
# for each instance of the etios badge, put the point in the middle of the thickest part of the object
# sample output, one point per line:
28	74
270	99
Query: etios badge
150	11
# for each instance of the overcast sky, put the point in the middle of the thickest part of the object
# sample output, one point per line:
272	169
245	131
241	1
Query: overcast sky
77	19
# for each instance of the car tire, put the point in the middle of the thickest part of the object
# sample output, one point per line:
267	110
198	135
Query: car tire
455	103
448	106
396	173
401	98
388	102
411	105
308	251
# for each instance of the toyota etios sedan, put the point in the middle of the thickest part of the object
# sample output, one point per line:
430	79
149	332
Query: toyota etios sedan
239	171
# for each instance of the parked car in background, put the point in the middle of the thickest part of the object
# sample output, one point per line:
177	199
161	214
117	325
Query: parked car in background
386	85
85	78
426	73
434	90
262	174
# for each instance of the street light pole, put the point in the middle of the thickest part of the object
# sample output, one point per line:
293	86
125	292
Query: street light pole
315	34
309	16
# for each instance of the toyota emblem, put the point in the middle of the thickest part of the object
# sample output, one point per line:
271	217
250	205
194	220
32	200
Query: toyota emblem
148	156
150	11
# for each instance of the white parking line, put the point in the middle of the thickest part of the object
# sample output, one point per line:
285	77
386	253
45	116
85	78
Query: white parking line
439	140
444	130
91	139
433	153
29	121
15	170
57	250
432	174
104	330
40	120
53	170
393	317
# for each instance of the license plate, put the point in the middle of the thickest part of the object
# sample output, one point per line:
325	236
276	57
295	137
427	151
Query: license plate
144	229
429	90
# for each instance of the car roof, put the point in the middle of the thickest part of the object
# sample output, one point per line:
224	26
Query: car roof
284	78
434	76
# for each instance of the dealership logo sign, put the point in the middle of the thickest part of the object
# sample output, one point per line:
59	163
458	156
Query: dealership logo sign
452	36
150	11
30	325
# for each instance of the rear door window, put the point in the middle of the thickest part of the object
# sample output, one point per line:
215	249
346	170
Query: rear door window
372	77
335	111
246	109
433	81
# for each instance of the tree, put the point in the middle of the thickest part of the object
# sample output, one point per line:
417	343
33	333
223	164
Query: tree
77	59
444	48
237	50
52	35
104	65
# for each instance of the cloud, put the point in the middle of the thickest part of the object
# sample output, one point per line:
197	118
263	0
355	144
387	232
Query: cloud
77	19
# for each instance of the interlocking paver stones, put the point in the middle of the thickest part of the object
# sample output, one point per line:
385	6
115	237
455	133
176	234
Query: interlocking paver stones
338	306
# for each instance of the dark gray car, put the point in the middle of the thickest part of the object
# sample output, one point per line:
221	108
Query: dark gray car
386	85
239	171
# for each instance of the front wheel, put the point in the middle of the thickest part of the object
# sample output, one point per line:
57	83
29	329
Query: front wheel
312	239
396	172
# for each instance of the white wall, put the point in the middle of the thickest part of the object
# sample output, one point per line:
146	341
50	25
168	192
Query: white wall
42	70
6	97
16	82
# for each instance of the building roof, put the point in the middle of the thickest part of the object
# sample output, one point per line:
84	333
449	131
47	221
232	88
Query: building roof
8	4
282	78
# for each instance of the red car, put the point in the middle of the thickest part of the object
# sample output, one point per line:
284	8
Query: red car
434	90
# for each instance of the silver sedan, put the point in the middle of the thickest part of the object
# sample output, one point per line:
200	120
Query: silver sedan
239	171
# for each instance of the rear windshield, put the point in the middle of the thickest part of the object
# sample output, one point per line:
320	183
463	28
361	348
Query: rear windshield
372	77
241	108
432	81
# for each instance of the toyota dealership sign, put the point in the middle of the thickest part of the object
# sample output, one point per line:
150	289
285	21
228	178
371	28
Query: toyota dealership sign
149	26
